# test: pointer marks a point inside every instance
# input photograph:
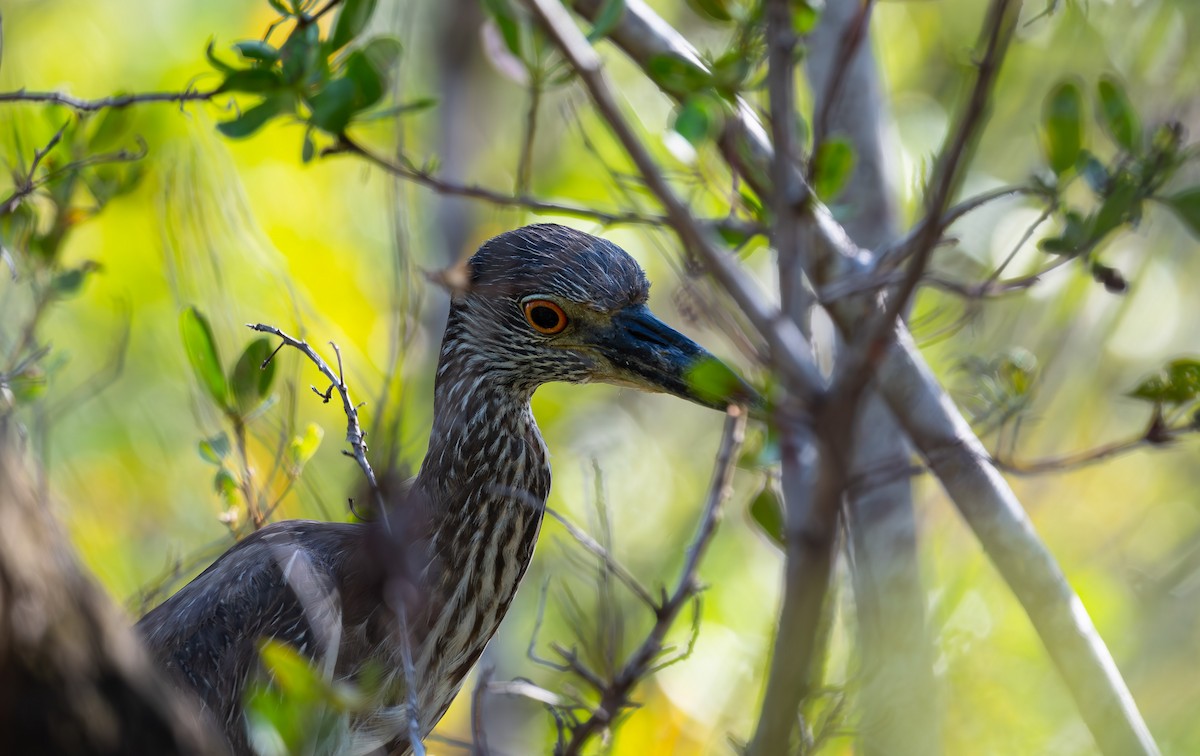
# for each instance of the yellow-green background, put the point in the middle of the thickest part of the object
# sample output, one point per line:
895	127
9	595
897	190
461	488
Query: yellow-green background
247	233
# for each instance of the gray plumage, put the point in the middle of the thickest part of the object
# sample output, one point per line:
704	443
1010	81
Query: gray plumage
460	539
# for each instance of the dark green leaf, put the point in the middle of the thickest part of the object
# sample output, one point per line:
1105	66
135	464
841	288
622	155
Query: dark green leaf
68	282
352	18
300	52
1121	205
678	75
250	380
506	22
1062	126
307	151
1186	205
607	19
333	106
766	510
368	83
279	8
832	167
1177	383
384	54
253	80
216	62
1117	114
111	126
201	351
253	119
729	71
256	49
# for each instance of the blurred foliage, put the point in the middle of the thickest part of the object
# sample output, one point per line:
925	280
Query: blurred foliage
125	218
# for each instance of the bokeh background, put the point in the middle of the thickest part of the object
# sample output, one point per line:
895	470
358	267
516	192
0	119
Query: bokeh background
335	250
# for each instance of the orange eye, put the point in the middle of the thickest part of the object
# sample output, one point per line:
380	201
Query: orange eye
545	316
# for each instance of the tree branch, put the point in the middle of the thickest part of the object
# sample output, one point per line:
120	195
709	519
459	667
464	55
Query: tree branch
119	101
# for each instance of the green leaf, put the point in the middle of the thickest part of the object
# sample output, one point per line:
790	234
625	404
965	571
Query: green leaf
216	62
730	70
712	381
253	119
68	282
226	485
692	121
1062	126
256	49
1177	383
1117	114
502	14
367	81
1093	172
805	14
384	54
832	167
214	450
253	80
299	53
250	379
1186	205
292	672
302	448
607	18
713	10
333	106
308	149
766	510
110	128
202	354
677	75
352	18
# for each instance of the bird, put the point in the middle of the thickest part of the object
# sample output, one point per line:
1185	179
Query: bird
420	598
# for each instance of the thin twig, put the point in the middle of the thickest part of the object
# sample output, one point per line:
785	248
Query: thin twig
1156	434
102	103
623	574
354	432
615	693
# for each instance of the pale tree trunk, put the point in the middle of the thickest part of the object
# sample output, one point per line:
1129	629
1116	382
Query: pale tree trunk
898	700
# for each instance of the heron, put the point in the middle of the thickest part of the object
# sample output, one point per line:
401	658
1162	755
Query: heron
538	304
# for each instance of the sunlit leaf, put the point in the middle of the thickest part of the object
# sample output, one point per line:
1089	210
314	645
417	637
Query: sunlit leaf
713	381
1062	126
1177	383
250	381
351	19
1117	113
677	74
1186	205
832	167
201	351
302	448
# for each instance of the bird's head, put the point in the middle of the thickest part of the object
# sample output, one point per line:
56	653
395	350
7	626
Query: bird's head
549	303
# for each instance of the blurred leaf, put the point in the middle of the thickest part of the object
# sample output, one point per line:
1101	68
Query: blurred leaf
805	14
1176	383
333	106
302	448
713	10
713	381
1186	205
292	671
1117	114
677	75
252	80
226	485
1111	278
367	81
1093	172
202	354
68	282
1062	126
607	18
250	381
299	53
253	119
308	149
216	62
256	49
111	125
730	70
279	8
1120	206
505	22
214	450
766	510
384	53
352	18
693	121
832	167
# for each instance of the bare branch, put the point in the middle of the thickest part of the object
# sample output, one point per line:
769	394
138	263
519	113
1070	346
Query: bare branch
102	103
586	541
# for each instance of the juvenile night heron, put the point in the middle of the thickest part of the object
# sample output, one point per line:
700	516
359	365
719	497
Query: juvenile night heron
539	304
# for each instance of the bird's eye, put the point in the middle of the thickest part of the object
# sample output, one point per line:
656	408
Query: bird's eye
545	316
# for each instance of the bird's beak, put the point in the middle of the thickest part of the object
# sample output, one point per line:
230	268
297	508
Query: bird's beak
648	354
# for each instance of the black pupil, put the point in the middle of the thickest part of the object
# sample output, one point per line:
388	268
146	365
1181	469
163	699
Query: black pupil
543	317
